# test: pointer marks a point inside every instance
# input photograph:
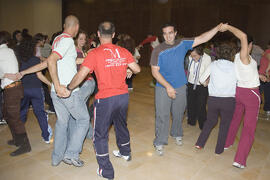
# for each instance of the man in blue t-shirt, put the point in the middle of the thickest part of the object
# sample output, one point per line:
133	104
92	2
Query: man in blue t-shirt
167	64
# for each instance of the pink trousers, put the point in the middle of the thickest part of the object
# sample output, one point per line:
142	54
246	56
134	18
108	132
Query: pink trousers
247	102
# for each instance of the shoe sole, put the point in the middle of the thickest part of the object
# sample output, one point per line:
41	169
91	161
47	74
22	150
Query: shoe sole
70	162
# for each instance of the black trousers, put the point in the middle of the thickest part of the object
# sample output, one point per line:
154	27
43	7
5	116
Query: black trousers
225	107
196	104
266	91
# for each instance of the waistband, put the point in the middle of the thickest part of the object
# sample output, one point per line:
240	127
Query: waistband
14	84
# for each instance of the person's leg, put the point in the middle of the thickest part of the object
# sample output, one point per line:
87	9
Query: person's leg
178	109
201	100
48	99
102	121
226	113
25	102
212	118
251	100
266	91
60	131
163	108
38	107
78	110
119	119
191	105
236	120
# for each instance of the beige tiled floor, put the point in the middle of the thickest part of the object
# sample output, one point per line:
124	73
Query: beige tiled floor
178	163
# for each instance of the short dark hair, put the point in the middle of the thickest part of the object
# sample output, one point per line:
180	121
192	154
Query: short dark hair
168	24
226	51
15	33
106	28
198	50
38	37
4	37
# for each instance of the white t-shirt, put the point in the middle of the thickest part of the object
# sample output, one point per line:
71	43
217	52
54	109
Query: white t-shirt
247	75
8	64
206	61
63	45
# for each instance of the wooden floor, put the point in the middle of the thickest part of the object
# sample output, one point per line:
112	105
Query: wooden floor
178	163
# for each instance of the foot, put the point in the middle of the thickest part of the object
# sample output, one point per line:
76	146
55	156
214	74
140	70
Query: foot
117	153
237	165
178	141
225	148
159	150
3	122
50	135
74	162
99	173
25	148
198	147
50	112
12	143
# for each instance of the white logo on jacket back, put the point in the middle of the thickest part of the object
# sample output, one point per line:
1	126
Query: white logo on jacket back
115	59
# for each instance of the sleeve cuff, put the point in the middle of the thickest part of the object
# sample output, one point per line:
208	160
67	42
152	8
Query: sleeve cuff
57	54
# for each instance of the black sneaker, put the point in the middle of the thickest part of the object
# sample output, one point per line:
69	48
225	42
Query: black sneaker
74	162
99	173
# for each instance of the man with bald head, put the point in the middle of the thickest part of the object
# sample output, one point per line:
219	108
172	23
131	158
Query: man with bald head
62	67
110	63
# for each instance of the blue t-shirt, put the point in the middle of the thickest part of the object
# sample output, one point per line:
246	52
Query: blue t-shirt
30	80
170	59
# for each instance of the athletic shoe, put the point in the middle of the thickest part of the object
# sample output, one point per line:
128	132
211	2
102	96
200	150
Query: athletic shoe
99	173
3	122
117	153
74	162
225	148
159	150
198	147
50	135
178	141
50	112
236	164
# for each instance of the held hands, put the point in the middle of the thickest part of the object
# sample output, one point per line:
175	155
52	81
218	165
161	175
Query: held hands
223	27
129	73
263	78
171	92
62	91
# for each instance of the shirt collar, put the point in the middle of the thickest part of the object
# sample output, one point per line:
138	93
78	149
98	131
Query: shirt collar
3	46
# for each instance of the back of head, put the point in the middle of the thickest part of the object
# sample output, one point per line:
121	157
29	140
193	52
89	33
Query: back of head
71	21
4	37
198	50
226	51
38	37
26	50
106	29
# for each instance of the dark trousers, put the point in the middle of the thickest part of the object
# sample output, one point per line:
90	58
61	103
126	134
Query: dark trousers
196	104
266	91
11	110
225	107
47	95
1	106
129	81
108	111
36	98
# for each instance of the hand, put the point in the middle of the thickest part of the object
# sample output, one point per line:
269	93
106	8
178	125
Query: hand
10	76
129	73
223	27
19	75
171	92
62	91
206	82
263	78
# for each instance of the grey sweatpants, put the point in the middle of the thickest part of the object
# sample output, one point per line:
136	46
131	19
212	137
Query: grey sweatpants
166	106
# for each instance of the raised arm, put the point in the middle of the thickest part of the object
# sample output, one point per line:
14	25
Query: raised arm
244	54
206	36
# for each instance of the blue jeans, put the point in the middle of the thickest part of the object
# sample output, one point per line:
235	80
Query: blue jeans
1	101
68	145
85	92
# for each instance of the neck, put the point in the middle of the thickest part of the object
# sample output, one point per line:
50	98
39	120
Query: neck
69	31
105	40
169	43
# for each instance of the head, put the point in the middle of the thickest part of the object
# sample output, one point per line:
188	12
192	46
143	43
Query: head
4	37
196	53
26	50
226	51
17	36
71	25
106	30
81	40
39	40
169	33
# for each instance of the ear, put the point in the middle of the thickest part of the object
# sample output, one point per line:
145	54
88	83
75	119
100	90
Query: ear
175	33
113	35
98	33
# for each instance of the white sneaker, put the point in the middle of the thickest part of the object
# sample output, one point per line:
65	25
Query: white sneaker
49	111
236	164
159	150
178	140
3	122
225	148
117	153
50	135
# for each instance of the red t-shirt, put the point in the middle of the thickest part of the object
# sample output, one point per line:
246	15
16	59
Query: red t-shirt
110	65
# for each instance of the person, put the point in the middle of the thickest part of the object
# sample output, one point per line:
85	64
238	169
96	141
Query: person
264	74
197	94
109	62
62	67
12	95
167	64
32	86
87	87
221	100
247	99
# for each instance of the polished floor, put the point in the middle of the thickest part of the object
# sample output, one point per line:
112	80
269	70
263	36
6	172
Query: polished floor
178	163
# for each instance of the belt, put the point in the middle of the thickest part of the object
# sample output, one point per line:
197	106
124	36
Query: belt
14	84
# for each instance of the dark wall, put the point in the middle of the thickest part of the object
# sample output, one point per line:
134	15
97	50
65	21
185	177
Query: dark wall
193	17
